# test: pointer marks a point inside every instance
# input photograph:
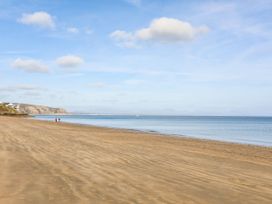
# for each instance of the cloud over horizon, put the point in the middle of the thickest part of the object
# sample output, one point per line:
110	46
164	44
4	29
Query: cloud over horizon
30	65
162	30
40	19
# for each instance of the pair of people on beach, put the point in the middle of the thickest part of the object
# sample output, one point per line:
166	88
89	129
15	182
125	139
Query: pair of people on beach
57	120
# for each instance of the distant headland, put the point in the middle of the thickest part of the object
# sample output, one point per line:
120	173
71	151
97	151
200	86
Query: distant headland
20	109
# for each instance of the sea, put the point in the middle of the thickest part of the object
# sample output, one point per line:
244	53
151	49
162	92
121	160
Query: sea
246	130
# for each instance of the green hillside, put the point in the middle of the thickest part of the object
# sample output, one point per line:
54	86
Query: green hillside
6	110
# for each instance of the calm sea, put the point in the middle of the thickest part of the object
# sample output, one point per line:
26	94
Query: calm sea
249	130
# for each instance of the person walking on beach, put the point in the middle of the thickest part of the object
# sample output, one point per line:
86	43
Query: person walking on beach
58	119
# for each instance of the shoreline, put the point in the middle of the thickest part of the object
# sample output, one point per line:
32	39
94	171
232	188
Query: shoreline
48	162
162	134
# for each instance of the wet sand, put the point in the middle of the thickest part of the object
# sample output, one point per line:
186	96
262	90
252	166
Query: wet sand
46	162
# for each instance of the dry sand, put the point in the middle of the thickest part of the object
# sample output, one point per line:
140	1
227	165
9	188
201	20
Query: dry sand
45	162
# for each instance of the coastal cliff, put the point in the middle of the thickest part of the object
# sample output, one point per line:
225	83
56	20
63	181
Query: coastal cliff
37	109
28	109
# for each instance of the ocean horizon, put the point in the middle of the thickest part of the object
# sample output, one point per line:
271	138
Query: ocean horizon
254	130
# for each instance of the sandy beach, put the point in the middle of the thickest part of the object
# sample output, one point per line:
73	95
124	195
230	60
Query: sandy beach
47	162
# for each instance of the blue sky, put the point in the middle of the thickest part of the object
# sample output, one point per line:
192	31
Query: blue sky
138	56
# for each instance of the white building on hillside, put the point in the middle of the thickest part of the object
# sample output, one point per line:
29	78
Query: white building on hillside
10	104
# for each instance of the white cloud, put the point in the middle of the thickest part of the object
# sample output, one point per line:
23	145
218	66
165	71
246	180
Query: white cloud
30	65
40	18
170	30
69	61
167	30
73	30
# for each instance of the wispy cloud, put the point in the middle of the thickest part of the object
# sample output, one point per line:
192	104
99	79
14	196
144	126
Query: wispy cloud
129	70
73	30
16	52
124	39
134	81
99	85
30	65
233	17
134	2
24	91
88	31
20	87
216	7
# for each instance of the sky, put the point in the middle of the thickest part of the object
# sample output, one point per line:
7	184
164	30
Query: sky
165	57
